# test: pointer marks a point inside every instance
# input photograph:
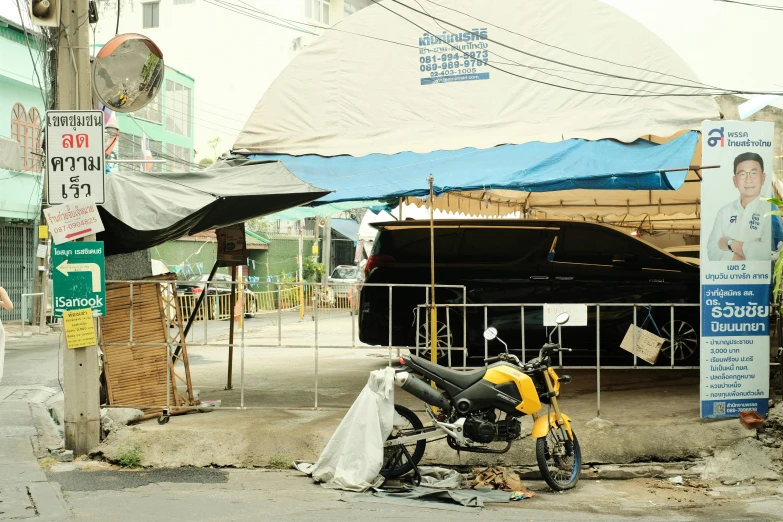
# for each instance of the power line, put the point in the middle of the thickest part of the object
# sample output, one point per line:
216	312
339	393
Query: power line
566	50
29	49
238	9
747	4
657	95
546	70
265	20
542	70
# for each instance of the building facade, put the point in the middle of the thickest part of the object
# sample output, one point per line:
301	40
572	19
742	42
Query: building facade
22	108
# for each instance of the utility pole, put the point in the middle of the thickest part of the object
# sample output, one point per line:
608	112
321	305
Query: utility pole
80	365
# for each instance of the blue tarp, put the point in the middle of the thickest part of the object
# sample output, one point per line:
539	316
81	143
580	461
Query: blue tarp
347	227
530	167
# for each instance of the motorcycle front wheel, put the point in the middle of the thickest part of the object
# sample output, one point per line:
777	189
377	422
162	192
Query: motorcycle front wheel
559	459
395	462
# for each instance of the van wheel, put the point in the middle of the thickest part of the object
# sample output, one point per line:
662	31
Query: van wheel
686	340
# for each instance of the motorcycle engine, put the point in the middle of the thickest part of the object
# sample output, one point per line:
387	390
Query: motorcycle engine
481	428
510	429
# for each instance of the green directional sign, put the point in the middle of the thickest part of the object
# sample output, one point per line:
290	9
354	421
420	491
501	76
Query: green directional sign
78	277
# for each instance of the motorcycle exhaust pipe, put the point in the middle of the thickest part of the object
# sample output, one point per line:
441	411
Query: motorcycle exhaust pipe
421	390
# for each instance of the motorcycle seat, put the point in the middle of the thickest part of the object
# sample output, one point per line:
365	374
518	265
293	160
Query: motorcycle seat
460	379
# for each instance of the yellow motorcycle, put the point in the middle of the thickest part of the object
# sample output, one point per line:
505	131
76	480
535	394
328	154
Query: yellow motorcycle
473	409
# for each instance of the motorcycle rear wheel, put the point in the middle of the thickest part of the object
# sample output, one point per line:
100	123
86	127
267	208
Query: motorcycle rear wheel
559	459
395	462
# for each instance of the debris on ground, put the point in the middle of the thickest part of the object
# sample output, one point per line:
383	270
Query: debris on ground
744	460
676	480
501	478
113	418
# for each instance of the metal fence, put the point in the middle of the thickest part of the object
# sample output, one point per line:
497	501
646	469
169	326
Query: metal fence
305	297
316	301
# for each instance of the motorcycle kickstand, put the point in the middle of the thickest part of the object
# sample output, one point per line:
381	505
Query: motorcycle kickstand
416	473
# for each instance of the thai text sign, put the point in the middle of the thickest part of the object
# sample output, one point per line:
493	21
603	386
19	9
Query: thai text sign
736	262
79	328
74	156
71	221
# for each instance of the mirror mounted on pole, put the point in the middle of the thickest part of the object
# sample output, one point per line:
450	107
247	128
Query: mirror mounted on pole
127	72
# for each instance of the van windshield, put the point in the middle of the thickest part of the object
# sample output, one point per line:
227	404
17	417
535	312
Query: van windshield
342	272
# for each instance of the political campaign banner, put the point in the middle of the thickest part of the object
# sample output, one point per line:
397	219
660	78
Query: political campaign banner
736	267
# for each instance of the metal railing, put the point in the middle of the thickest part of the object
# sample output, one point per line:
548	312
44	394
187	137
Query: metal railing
316	299
598	307
24	313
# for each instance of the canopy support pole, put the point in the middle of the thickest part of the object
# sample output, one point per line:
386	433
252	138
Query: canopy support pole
433	309
196	308
233	303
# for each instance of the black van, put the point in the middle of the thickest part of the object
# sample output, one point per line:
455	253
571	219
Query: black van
521	262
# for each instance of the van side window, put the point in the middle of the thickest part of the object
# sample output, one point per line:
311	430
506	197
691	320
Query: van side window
505	245
593	247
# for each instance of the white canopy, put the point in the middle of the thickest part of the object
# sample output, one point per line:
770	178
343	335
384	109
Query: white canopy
535	71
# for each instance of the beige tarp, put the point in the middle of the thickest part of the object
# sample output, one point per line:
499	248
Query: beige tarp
378	93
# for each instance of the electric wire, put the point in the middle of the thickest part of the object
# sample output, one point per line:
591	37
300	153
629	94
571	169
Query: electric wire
567	50
663	94
747	4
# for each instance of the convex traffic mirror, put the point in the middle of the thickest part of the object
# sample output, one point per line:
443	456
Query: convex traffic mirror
127	72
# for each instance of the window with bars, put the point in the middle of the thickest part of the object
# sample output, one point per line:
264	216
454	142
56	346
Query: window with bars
129	147
151	15
152	112
26	130
351	6
179	158
178	115
317	10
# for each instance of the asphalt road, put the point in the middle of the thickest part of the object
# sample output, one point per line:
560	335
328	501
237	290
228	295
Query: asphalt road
218	495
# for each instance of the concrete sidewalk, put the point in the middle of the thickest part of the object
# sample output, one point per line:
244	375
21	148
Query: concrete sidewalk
25	433
646	415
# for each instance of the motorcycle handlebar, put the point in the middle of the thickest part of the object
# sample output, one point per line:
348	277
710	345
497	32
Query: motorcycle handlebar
553	349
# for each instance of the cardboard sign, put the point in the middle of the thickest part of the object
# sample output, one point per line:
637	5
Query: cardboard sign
577	314
648	345
43	232
231	246
73	220
79	328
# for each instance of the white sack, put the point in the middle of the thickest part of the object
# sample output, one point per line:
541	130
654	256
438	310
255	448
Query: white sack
353	457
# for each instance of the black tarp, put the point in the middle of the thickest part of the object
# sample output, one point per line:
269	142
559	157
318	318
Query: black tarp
143	210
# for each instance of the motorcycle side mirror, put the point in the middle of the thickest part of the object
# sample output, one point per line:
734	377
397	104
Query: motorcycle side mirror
562	319
490	333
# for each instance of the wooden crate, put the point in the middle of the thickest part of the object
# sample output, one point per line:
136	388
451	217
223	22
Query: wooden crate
136	375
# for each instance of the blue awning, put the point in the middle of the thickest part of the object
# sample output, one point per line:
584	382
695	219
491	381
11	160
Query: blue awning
530	167
347	227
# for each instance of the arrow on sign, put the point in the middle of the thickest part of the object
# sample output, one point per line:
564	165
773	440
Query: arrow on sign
93	268
79	233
